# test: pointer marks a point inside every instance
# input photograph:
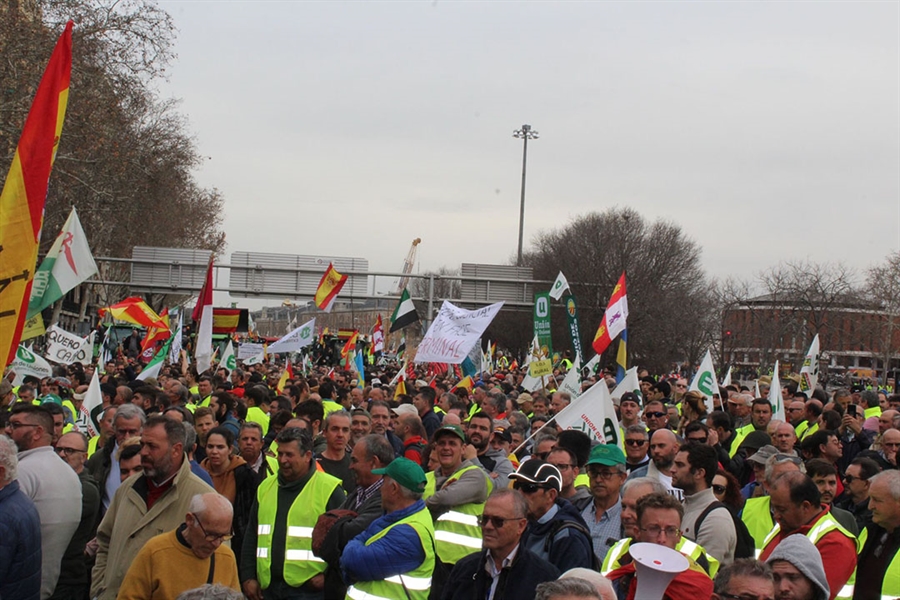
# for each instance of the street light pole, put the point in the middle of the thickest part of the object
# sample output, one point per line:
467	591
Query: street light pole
524	134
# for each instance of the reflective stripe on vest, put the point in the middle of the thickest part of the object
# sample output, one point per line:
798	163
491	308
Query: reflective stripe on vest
758	519
413	585
300	564
456	532
611	562
826	525
890	586
688	548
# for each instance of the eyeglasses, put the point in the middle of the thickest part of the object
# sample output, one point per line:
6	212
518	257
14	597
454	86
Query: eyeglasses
528	488
719	489
212	537
681	385
497	522
851	478
699	440
635	442
604	475
13	425
69	451
543	455
727	596
655	530
656	414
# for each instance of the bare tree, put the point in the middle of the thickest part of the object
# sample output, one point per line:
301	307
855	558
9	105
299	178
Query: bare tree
882	289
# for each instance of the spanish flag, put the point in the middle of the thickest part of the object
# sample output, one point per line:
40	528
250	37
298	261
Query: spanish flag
25	193
288	373
135	310
350	346
329	287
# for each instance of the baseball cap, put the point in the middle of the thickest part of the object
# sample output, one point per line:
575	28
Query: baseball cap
51	399
756	440
539	473
763	454
606	454
523	398
405	409
629	397
503	433
454	429
406	473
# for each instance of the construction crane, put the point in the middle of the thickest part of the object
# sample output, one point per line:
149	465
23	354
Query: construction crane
408	266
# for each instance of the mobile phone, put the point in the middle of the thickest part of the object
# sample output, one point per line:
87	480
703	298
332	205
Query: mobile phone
851	410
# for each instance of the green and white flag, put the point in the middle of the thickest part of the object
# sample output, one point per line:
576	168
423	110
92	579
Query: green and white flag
154	366
704	381
298	338
559	286
629	383
29	363
68	263
228	360
404	314
572	381
775	398
594	414
809	372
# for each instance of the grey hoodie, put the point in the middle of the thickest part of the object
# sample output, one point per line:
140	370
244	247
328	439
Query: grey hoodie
802	553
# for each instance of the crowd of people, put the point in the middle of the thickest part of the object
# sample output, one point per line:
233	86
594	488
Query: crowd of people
249	484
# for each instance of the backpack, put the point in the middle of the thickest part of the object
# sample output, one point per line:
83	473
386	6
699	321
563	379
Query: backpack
746	546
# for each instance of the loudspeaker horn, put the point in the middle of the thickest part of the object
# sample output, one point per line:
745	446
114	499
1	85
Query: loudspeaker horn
656	566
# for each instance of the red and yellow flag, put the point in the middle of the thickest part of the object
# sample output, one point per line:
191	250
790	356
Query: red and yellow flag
288	373
350	346
329	287
25	192
135	310
156	334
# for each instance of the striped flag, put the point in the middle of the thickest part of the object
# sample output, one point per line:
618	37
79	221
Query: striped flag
25	193
203	316
329	287
135	310
613	322
622	357
405	314
378	336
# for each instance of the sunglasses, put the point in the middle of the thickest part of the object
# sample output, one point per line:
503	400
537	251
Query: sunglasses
635	442
852	478
497	522
657	414
528	488
699	440
719	489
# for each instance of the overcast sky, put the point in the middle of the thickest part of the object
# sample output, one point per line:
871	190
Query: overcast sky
766	130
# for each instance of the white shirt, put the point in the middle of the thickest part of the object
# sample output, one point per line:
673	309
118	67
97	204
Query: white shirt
491	567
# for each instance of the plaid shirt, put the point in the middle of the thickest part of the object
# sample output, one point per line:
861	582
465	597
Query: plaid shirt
364	494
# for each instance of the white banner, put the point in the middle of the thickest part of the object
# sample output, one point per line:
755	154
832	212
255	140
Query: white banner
809	372
453	333
594	414
727	381
66	348
559	286
775	398
299	338
228	361
29	363
572	382
93	405
705	381
629	383
249	350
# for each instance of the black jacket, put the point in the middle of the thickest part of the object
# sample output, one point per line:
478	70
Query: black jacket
470	581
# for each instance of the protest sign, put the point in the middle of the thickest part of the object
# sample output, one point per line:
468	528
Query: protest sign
453	333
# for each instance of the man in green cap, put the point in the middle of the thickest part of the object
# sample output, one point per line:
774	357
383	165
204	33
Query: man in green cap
394	557
606	473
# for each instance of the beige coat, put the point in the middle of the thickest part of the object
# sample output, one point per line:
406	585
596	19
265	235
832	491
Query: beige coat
128	525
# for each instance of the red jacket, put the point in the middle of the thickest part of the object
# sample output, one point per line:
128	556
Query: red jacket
692	584
837	550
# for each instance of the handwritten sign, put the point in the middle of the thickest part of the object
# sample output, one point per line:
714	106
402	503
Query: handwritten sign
540	368
453	333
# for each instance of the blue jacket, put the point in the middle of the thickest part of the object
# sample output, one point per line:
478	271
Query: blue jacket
400	551
564	540
20	545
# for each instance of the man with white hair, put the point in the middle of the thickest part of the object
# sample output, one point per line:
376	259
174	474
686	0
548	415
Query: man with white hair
20	532
189	556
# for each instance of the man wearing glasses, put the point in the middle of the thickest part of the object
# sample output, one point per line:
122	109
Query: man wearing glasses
745	579
49	482
606	471
637	443
503	569
186	558
556	532
659	522
74	575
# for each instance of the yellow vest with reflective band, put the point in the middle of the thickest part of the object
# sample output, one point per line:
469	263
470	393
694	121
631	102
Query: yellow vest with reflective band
205	401
690	549
256	415
826	525
92	445
415	584
300	564
803	430
456	532
331	406
758	519
739	435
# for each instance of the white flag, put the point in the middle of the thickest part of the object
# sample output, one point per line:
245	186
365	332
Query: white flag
228	360
66	348
175	348
559	286
591	365
27	362
775	398
629	383
93	405
299	338
704	381
809	372
756	393
453	333
255	360
727	381
572	381
594	414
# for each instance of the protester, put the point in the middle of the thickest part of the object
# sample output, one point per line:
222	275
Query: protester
797	570
878	573
603	515
20	532
335	459
192	554
663	448
567	589
744	578
494	462
128	422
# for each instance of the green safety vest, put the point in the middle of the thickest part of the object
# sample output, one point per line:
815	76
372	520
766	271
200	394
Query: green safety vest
803	430
456	532
92	445
300	564
688	548
826	525
331	406
412	585
872	412
758	519
739	435
890	585
205	401
256	415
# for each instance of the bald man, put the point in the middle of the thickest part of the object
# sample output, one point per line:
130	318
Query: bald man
663	448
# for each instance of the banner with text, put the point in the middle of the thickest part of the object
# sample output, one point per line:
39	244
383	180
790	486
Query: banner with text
574	330
453	333
542	322
66	348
